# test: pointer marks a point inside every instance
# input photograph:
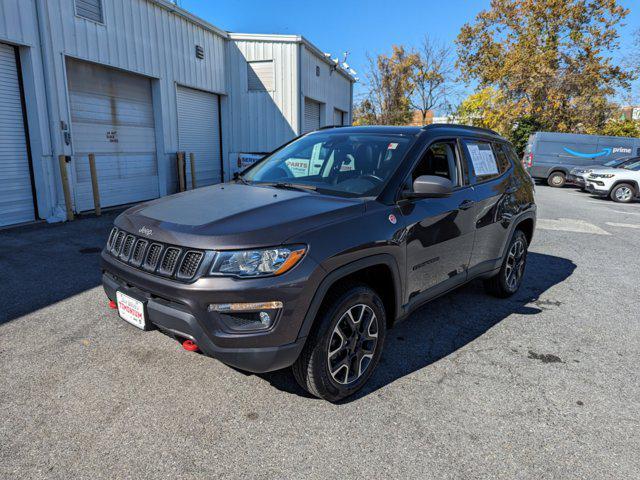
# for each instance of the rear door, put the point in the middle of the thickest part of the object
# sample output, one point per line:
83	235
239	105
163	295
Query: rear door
490	174
440	231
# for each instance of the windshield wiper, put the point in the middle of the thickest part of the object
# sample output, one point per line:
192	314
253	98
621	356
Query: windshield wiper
291	186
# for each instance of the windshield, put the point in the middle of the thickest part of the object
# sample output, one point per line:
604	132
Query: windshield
616	162
354	165
635	166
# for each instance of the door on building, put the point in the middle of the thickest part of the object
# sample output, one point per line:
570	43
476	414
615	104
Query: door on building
311	115
339	117
112	117
199	133
16	186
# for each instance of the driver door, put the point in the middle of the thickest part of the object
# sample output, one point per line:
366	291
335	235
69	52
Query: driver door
440	231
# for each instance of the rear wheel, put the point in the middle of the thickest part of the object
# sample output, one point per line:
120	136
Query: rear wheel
557	179
508	280
623	193
344	346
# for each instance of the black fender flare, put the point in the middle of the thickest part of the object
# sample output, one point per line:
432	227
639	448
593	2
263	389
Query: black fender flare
342	272
513	227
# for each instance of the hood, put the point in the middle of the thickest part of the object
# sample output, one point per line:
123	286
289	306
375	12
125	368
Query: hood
607	170
235	216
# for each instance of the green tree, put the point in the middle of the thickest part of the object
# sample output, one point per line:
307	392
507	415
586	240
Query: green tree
388	89
622	128
485	108
548	59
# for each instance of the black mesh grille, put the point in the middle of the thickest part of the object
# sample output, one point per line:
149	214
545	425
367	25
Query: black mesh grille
190	264
138	252
169	261
127	246
117	243
166	260
153	255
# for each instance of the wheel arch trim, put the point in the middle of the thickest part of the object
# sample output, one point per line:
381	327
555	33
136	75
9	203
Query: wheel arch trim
343	271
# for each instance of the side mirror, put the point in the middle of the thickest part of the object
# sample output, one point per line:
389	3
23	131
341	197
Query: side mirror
430	186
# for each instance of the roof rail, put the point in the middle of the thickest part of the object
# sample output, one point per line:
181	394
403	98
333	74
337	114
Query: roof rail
466	127
332	126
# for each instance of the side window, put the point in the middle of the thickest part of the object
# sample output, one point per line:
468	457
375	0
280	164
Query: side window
483	161
502	155
440	159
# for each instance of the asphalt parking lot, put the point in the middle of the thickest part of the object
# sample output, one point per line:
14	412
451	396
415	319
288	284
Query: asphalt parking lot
543	385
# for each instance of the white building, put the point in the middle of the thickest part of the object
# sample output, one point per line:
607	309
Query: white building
134	82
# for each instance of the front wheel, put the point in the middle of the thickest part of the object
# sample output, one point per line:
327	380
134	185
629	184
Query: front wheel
344	346
507	281
557	179
623	193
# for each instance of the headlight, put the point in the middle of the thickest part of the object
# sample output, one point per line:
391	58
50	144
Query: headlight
257	263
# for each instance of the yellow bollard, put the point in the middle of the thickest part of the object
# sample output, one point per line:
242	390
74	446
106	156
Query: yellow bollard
192	159
94	183
62	160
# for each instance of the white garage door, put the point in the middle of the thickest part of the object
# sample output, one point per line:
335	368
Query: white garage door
199	133
311	115
16	197
112	116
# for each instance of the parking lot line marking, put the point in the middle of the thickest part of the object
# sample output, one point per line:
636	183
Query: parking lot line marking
623	225
626	213
570	225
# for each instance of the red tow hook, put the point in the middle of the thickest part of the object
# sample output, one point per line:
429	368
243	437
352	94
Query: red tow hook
113	305
190	346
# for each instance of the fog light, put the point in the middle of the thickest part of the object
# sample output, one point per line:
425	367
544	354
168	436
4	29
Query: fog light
265	318
247	316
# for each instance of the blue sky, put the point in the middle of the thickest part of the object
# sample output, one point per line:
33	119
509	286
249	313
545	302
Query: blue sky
358	26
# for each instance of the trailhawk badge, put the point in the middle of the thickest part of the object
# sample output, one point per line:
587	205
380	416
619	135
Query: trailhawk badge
145	231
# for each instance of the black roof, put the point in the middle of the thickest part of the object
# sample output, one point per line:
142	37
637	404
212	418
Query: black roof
410	130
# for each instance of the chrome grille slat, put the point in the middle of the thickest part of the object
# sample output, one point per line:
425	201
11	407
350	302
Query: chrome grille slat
169	260
138	252
190	264
126	247
154	257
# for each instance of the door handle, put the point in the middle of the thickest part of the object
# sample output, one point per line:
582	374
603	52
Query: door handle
466	205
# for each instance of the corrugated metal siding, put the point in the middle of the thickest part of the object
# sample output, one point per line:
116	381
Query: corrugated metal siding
16	200
141	37
90	9
250	112
311	115
199	133
331	88
260	76
17	21
112	116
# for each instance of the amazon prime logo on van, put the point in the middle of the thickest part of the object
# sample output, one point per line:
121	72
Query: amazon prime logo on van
145	231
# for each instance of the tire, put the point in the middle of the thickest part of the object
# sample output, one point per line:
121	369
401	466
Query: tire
557	180
623	193
326	367
508	280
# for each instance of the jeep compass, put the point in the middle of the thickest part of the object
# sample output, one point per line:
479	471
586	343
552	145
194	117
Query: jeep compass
309	256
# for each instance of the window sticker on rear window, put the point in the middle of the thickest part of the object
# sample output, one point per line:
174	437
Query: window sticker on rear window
484	163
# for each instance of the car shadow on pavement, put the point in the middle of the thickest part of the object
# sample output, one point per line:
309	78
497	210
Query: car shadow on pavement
41	264
448	323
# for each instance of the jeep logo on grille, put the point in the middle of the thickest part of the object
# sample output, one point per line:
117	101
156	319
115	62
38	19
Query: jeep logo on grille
145	231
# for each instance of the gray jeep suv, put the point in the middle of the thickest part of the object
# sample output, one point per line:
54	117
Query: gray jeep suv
309	256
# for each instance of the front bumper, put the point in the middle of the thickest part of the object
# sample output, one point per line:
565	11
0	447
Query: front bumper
181	310
596	189
576	180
